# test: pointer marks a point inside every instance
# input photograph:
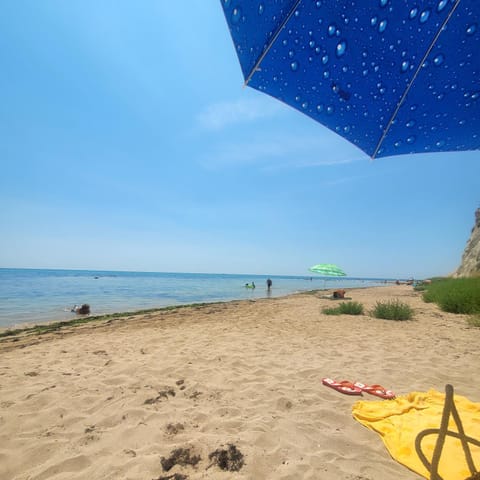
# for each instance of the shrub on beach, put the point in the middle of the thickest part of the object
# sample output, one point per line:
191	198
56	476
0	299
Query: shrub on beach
392	310
455	295
345	308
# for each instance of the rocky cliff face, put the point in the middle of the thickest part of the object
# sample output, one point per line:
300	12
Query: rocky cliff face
470	265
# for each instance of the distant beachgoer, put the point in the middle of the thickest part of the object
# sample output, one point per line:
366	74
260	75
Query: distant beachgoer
339	294
269	283
253	284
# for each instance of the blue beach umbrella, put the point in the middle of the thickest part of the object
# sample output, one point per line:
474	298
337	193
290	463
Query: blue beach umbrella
391	76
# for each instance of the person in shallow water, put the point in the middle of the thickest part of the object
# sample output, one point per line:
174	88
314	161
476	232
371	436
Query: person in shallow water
248	285
269	283
81	309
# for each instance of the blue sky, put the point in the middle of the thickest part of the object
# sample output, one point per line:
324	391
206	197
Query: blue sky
128	143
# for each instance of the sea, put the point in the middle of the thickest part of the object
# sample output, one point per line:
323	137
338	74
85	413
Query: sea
33	296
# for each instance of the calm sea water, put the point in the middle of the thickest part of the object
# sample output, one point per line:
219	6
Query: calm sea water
30	296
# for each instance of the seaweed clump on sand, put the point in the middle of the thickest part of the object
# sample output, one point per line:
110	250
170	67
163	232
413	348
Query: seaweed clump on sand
179	456
175	476
230	459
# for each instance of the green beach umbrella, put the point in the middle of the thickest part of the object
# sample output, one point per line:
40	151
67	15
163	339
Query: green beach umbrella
328	269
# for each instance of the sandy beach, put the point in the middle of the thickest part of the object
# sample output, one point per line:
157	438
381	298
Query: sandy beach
111	399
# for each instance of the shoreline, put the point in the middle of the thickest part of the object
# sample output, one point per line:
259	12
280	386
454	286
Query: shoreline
110	399
51	325
43	296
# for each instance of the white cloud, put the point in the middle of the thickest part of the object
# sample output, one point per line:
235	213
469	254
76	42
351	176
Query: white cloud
220	115
285	152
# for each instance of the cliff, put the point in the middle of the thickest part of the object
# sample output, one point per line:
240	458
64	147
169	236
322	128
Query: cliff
470	265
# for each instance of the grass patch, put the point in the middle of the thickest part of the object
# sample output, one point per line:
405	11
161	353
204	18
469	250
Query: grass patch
455	295
345	308
392	310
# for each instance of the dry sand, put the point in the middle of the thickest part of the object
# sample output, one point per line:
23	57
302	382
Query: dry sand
109	400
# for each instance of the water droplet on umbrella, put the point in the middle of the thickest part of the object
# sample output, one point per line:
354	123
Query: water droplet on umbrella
236	15
311	43
383	2
326	74
405	65
346	128
325	59
373	21
261	8
411	123
413	12
397	143
471	29
438	60
382	26
441	5
331	30
341	48
226	3
330	109
411	139
424	16
294	66
319	108
475	95
305	105
318	4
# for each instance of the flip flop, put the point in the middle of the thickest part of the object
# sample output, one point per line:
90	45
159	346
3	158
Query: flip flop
343	387
376	390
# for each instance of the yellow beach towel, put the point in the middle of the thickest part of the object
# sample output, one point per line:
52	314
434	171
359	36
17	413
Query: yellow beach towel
400	421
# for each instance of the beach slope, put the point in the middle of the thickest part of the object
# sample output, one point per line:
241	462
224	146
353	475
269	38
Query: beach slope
233	390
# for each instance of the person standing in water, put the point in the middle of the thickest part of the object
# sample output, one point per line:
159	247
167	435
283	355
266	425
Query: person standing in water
269	283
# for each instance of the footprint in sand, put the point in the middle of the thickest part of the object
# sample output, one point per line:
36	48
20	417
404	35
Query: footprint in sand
284	404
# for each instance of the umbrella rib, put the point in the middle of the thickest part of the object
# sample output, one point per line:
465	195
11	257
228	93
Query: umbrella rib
270	43
409	86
